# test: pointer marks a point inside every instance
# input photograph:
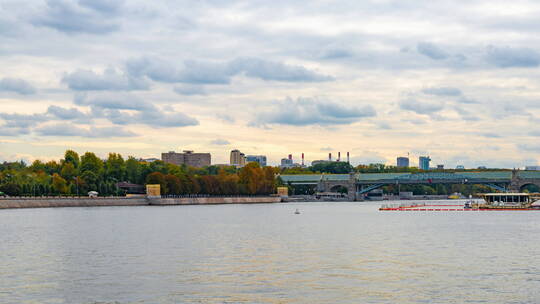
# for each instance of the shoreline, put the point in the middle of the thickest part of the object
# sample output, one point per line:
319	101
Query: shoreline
20	203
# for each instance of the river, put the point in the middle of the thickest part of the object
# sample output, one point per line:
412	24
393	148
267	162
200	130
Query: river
330	253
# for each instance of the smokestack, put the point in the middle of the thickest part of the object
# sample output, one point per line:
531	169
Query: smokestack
348	159
338	156
290	156
330	156
302	159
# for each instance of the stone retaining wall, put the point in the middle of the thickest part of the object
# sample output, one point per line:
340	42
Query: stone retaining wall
8	203
70	202
215	200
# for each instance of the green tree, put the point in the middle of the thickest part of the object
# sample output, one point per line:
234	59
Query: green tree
90	181
90	162
133	170
115	167
59	184
68	171
72	157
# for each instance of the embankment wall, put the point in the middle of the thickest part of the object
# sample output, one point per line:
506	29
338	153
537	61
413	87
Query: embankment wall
9	203
215	200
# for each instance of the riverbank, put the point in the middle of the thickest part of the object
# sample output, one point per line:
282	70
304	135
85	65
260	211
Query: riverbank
11	203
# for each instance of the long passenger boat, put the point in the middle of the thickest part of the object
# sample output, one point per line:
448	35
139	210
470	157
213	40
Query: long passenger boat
507	201
492	201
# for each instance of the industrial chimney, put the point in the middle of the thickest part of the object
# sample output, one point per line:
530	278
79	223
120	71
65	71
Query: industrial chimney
330	156
302	159
290	156
338	156
348	159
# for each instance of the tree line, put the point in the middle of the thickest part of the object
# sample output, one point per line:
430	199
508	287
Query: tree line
77	175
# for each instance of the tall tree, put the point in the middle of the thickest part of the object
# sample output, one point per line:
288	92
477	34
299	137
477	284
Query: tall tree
90	162
133	170
115	167
72	157
59	184
68	171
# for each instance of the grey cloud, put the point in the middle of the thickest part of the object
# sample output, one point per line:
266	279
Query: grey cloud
271	70
421	107
442	91
467	100
85	80
335	53
226	118
193	72
104	6
190	90
311	111
199	72
113	107
78	17
529	147
113	101
153	118
158	119
16	85
220	142
13	131
384	126
490	135
431	50
506	57
67	129
22	120
67	114
465	115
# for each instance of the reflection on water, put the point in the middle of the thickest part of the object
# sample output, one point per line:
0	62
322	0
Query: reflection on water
330	253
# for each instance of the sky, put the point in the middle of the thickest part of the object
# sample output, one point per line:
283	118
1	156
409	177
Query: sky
456	80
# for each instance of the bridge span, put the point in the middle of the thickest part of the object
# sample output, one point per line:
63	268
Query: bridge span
358	184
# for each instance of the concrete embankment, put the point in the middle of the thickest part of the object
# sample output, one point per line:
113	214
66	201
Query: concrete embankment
214	200
8	203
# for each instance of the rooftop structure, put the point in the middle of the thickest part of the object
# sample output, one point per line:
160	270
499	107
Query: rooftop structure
423	162
188	158
402	162
260	159
237	158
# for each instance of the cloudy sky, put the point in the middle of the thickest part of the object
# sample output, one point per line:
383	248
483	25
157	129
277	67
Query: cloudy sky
458	80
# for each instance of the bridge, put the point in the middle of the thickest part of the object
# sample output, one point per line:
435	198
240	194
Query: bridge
358	184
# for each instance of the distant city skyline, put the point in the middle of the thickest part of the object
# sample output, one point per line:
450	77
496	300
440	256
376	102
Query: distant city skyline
375	78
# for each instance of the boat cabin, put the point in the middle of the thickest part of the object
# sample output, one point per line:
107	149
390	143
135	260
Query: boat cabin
507	198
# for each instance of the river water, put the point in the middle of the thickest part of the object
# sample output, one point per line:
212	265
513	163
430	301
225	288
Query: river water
330	253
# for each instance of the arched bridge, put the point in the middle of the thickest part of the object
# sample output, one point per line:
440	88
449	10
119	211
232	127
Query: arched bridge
358	184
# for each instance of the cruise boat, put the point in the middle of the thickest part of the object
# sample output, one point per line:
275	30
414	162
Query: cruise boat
508	201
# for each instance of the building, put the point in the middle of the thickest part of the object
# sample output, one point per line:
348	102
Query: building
423	162
440	167
238	159
321	161
188	158
260	159
287	163
149	160
402	162
532	168
460	167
